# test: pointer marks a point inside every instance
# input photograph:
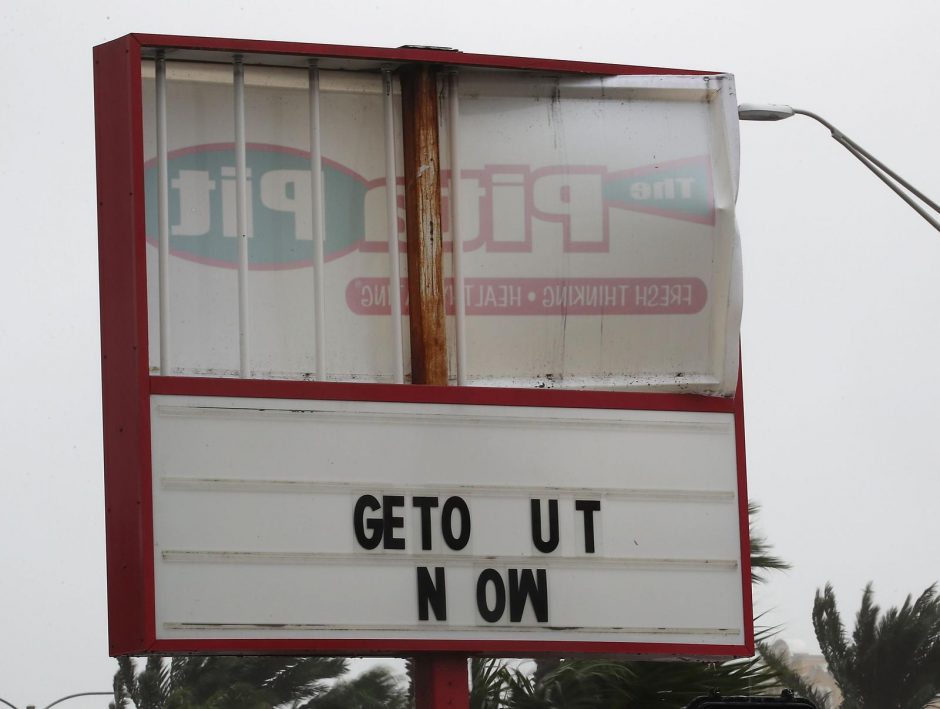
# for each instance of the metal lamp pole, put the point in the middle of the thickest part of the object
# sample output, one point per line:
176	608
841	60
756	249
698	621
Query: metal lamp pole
60	699
904	189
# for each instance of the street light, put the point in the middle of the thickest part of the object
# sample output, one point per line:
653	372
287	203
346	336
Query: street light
61	699
777	112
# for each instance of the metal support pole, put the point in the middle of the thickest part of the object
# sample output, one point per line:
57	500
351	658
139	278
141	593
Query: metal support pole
884	173
61	699
163	216
319	220
391	214
441	681
80	694
901	187
241	209
460	305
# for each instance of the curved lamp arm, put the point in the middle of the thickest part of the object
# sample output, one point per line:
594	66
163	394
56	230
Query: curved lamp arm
62	699
776	112
80	694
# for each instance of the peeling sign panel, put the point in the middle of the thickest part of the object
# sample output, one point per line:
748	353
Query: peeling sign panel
393	521
607	222
596	223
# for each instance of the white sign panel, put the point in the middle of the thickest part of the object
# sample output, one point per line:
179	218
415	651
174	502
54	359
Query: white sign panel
393	520
595	217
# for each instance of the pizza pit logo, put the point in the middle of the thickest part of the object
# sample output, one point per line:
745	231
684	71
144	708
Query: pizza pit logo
511	201
202	208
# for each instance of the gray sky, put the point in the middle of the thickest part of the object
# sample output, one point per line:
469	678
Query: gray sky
839	338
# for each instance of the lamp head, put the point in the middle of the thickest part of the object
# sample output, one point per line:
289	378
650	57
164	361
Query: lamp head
763	112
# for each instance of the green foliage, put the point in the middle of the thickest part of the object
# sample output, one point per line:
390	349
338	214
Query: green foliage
608	684
492	683
223	682
762	560
893	659
374	689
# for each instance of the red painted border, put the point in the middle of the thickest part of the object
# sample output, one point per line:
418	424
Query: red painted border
745	527
493	648
125	389
424	394
127	385
334	51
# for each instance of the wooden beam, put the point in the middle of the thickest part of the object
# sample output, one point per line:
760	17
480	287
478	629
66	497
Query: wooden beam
424	233
440	680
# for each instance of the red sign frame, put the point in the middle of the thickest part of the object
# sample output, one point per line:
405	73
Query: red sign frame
127	383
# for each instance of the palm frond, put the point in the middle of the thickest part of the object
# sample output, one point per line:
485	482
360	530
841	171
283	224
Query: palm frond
762	560
297	678
791	679
376	688
223	682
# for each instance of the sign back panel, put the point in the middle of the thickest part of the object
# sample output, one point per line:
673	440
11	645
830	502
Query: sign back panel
595	220
569	501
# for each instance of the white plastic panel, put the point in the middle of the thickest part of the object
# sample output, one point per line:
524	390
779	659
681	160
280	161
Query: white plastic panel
281	284
599	242
598	233
255	511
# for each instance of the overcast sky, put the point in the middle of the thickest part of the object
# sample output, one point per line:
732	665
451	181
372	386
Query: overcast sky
840	334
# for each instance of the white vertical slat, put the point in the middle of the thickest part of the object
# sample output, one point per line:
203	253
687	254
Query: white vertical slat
163	217
460	310
391	215
317	207
241	209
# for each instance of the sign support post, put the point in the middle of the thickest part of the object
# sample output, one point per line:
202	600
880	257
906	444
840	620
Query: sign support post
424	231
440	680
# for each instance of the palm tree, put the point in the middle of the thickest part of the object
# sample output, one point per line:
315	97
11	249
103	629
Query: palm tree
221	682
893	659
596	684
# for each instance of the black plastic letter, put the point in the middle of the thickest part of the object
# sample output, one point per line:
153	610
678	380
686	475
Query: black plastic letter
491	615
391	522
433	593
523	586
370	541
447	526
425	504
588	507
545	546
